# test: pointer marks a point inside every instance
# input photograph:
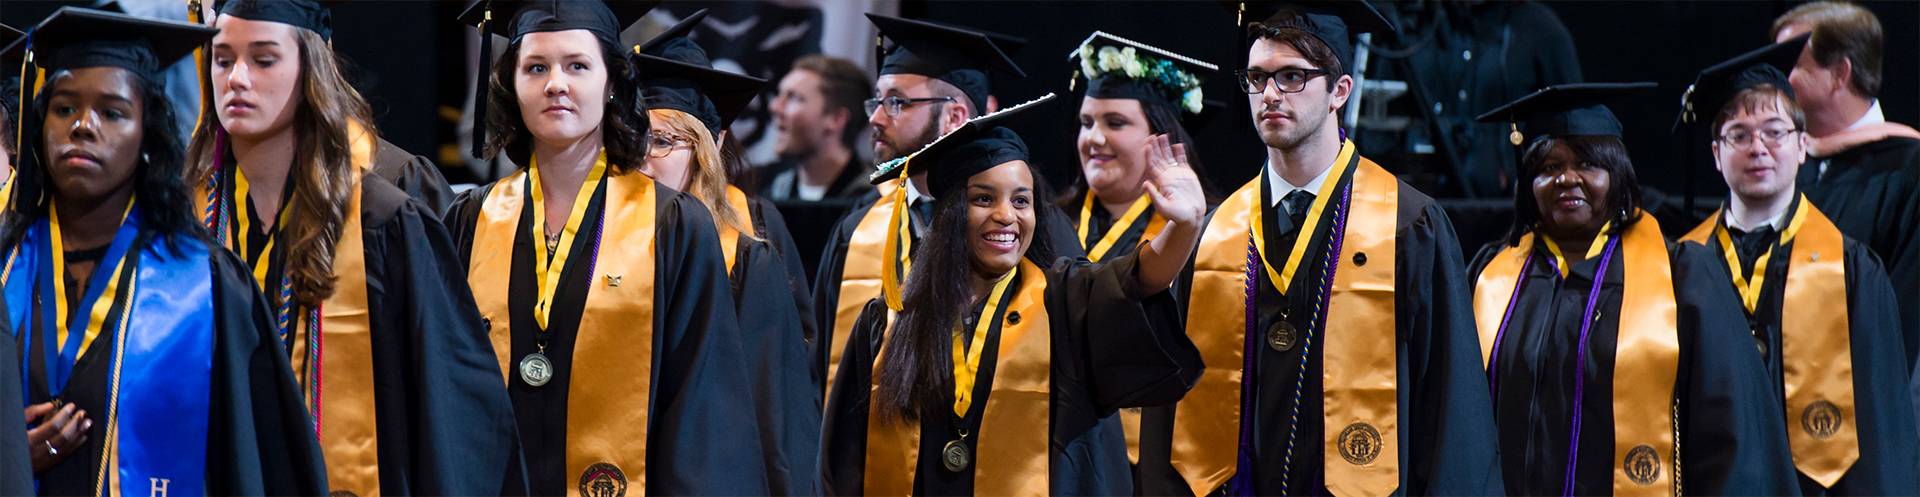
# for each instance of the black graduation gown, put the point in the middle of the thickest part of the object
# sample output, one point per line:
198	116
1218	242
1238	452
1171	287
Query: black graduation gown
701	426
16	467
826	281
1112	348
1103	221
415	175
1889	446
1446	429
1733	440
260	440
1872	193
769	293
443	421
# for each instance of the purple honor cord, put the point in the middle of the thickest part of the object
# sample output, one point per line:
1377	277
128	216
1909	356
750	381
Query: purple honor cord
1580	364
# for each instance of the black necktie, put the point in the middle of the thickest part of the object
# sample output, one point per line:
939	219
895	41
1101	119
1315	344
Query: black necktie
1297	204
923	210
1750	244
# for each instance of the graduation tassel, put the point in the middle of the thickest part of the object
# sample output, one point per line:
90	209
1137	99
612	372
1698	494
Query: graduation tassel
480	92
201	70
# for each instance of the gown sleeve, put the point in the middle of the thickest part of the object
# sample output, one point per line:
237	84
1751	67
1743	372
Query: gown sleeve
702	420
446	424
419	177
843	441
260	439
16	467
1888	454
1730	422
826	286
1447	410
781	372
1132	346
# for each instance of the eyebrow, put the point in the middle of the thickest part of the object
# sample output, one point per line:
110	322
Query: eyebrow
71	93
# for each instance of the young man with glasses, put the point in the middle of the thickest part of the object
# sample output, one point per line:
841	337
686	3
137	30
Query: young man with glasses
1330	303
1819	305
933	78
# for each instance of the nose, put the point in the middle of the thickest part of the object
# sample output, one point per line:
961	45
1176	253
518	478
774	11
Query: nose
238	77
556	86
84	127
1003	213
879	118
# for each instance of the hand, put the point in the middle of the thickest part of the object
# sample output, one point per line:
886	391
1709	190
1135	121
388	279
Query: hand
55	432
1172	184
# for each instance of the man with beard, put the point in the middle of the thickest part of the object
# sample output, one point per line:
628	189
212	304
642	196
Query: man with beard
817	119
1330	303
932	79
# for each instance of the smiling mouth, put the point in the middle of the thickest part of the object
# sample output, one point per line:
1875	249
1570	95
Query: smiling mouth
1001	239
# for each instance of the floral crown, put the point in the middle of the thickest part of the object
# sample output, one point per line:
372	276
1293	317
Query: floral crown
1136	61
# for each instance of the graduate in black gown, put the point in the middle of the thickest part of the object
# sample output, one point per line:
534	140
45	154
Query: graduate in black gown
1315	283
119	304
994	378
1827	327
1607	350
16	467
932	79
605	293
381	329
689	106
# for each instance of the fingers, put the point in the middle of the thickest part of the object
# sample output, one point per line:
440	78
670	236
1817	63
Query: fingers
1180	154
75	432
1153	192
34	412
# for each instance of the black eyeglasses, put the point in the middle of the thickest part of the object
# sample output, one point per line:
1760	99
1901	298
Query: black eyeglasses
1289	80
1741	139
894	104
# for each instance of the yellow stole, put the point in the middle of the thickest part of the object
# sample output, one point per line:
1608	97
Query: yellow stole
1646	353
346	422
608	398
1816	364
860	274
1360	367
730	238
1013	446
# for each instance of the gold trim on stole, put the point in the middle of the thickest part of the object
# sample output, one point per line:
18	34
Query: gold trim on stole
1018	407
1359	370
608	398
1816	365
729	237
349	434
859	274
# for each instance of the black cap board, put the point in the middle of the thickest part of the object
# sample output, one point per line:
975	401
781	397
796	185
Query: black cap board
677	74
76	37
977	145
309	14
604	19
960	57
1119	68
1715	85
1573	109
1333	22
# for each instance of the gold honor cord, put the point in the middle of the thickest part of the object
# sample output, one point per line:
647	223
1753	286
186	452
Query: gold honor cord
1120	226
97	315
966	356
1284	279
547	269
1750	286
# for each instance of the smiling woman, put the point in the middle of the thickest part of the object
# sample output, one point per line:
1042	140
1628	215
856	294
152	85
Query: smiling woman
106	249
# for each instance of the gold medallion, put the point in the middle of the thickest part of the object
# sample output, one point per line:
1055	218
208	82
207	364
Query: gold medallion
1282	336
535	369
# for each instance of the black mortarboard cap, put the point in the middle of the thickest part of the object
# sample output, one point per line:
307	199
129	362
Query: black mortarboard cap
76	37
1573	109
517	18
960	57
677	74
1158	75
1333	22
309	14
1715	85
977	145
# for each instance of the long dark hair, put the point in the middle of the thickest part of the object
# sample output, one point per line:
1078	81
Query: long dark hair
1161	119
917	369
166	206
1604	152
623	126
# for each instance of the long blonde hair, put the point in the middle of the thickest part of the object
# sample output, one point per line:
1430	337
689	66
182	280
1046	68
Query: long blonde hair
322	170
707	177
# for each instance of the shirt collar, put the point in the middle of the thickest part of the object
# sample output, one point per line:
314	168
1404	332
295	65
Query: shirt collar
1278	187
1873	116
914	194
1778	222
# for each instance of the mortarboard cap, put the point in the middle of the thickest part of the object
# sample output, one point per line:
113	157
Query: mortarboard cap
977	145
960	57
1573	109
1116	67
677	74
604	19
1715	85
309	14
1333	22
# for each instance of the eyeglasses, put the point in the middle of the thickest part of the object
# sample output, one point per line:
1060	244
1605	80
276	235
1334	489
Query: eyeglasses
894	104
1741	139
1289	80
659	144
